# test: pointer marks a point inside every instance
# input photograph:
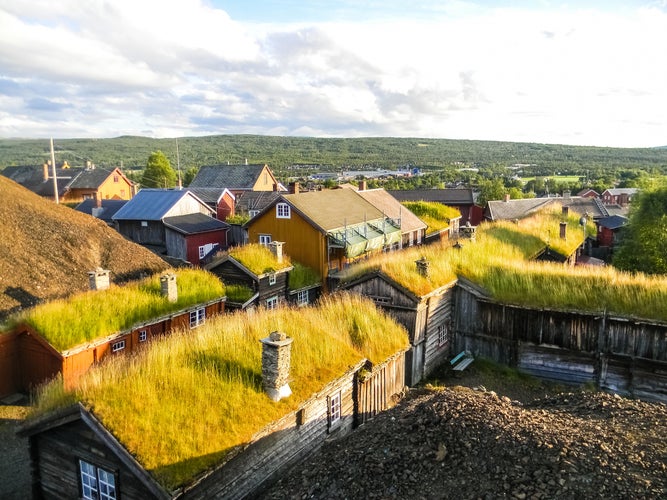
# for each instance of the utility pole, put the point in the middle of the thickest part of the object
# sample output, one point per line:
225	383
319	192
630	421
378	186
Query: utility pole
53	166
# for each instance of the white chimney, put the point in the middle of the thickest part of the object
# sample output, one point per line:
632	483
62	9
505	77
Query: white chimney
277	250
98	279
168	287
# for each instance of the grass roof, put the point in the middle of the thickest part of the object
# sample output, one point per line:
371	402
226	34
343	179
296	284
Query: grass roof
500	260
435	215
259	259
91	315
302	276
214	373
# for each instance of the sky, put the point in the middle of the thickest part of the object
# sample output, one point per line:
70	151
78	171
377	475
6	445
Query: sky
582	72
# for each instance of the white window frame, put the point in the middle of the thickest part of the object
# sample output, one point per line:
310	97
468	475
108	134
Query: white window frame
144	223
443	335
118	346
283	211
272	279
335	409
96	483
197	317
272	302
265	239
143	335
302	298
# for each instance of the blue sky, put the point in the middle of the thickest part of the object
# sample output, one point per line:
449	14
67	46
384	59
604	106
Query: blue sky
584	72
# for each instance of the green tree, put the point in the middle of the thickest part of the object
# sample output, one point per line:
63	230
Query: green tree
158	173
490	190
190	174
643	246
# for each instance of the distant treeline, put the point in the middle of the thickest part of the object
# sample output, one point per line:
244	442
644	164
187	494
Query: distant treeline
309	153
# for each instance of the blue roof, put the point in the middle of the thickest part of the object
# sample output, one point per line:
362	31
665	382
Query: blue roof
151	204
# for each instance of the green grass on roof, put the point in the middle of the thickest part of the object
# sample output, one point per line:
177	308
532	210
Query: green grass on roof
258	258
184	403
302	276
435	215
82	318
500	259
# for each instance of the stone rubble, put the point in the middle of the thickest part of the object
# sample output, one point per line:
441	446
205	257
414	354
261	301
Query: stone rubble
473	444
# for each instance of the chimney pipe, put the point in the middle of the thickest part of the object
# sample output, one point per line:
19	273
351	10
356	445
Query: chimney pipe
45	171
277	250
362	185
423	267
98	279
565	210
276	351
294	188
506	198
168	287
563	230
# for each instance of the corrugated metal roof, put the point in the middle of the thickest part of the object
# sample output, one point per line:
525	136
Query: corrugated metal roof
150	204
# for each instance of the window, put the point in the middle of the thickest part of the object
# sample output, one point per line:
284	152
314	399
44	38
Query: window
283	211
144	223
272	279
197	317
265	239
118	346
142	336
115	178
96	483
272	303
443	335
334	410
302	298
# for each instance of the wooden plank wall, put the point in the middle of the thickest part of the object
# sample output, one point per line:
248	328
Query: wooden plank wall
439	315
9	364
375	393
626	355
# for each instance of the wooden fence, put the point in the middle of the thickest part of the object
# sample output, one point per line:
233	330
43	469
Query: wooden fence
625	355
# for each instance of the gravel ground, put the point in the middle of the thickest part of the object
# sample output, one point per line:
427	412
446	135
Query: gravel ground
473	443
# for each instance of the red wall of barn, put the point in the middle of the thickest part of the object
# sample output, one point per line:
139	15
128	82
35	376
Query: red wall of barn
196	240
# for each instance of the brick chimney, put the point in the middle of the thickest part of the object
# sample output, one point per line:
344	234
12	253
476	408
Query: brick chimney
362	185
563	230
423	266
168	287
294	187
277	250
98	279
276	352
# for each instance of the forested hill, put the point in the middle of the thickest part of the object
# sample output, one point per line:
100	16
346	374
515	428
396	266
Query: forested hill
283	152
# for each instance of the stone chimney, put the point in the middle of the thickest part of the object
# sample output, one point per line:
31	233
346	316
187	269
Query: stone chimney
277	250
563	230
566	194
98	279
276	352
294	187
565	210
506	198
168	287
362	185
423	267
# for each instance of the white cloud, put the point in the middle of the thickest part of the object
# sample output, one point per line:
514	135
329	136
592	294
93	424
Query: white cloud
562	74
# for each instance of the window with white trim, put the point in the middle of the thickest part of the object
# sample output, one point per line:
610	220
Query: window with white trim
282	211
272	302
265	239
142	336
334	410
118	346
144	223
302	298
272	279
96	483
443	335
197	317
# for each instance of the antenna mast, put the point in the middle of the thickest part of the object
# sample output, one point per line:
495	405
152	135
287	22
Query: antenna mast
178	166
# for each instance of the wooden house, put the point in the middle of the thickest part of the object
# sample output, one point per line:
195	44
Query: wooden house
76	453
75	184
427	318
463	199
325	230
619	196
268	286
221	200
236	178
173	222
28	359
